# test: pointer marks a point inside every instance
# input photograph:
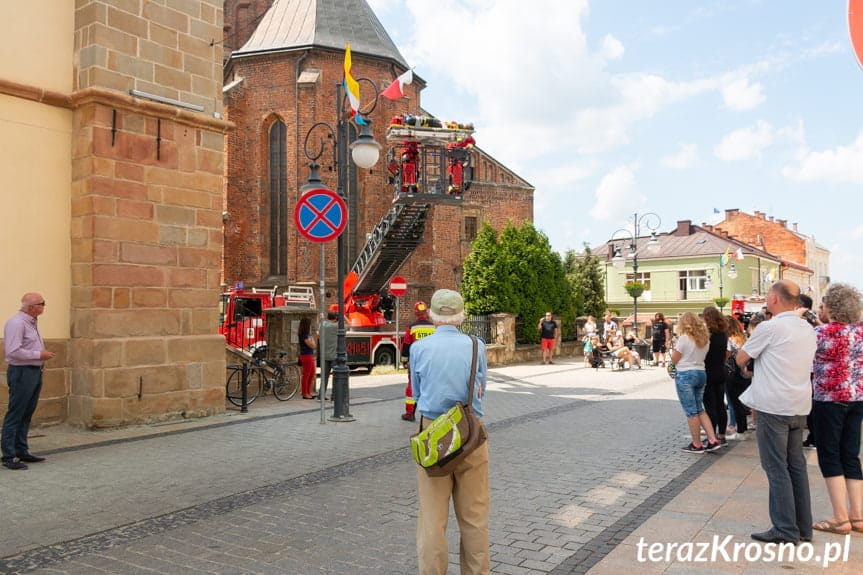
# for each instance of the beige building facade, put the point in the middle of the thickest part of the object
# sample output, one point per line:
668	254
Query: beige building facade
112	155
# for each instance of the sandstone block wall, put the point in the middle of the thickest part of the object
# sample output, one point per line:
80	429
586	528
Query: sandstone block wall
146	229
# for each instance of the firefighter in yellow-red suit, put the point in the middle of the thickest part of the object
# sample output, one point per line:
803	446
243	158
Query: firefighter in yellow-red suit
420	328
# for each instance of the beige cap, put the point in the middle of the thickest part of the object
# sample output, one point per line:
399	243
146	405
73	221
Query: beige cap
446	302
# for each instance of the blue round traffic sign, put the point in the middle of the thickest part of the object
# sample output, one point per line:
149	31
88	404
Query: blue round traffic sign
320	215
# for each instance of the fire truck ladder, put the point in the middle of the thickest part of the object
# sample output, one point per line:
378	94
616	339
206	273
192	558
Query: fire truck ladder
390	244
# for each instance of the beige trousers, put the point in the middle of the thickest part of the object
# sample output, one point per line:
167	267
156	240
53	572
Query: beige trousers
469	489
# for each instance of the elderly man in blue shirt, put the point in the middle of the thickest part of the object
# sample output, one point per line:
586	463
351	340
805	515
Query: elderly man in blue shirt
440	372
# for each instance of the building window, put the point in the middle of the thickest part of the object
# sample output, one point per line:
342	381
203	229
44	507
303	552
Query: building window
278	160
470	228
642	277
754	281
692	281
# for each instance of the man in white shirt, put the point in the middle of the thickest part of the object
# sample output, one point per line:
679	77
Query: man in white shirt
781	393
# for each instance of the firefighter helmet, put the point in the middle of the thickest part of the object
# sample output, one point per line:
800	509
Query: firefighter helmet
420	307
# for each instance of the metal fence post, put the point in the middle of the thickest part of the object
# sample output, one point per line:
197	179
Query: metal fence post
244	386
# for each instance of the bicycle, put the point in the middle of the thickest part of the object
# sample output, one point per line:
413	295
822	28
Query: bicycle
263	375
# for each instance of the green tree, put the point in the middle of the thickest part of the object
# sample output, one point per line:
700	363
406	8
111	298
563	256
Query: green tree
584	273
482	285
516	272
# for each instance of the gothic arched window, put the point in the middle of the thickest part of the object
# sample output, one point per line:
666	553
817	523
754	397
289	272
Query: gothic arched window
278	200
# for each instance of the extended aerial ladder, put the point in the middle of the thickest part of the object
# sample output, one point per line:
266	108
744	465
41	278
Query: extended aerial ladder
428	164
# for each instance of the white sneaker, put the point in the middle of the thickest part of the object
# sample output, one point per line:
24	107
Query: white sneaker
731	436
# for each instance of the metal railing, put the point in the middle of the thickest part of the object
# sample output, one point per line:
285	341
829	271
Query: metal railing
480	326
525	332
569	332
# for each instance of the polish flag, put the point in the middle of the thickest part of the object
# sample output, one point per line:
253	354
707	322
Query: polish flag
395	90
738	255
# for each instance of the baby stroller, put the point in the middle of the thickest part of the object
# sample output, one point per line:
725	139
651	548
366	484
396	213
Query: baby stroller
597	356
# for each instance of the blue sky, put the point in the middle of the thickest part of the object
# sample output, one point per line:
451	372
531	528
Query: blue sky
669	106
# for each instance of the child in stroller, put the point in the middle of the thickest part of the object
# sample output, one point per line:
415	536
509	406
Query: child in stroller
596	351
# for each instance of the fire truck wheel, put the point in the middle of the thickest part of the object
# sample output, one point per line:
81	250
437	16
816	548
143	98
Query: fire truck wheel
385	356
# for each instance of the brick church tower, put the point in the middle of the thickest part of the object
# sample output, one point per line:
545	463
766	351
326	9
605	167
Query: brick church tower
284	61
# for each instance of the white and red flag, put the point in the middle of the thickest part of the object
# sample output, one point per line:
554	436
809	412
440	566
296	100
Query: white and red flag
395	90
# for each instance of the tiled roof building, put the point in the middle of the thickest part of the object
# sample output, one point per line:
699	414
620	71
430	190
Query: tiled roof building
803	260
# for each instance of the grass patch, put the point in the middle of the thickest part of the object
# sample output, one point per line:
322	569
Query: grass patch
388	370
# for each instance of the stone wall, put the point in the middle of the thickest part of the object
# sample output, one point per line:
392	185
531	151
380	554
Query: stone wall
146	223
504	350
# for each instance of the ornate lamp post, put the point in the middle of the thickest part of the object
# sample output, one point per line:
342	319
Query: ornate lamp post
365	152
651	222
732	273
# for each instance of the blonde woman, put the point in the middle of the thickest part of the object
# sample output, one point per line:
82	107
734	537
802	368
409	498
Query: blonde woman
691	378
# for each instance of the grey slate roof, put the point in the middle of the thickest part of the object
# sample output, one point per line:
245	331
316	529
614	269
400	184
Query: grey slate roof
299	24
697	242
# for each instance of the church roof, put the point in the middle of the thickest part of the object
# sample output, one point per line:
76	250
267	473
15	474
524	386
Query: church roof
300	24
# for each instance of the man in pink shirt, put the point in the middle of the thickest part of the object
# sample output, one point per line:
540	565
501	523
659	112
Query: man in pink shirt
25	356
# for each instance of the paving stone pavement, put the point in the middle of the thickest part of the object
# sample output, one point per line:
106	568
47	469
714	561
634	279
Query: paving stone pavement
579	459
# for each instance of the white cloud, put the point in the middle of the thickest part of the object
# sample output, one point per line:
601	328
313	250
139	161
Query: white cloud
565	176
493	76
746	143
685	156
740	94
616	195
612	48
842	164
857	233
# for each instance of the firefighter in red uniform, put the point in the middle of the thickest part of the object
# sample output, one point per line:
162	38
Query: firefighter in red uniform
459	158
420	328
410	158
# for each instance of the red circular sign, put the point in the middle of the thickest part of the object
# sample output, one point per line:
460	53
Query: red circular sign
320	215
855	27
398	286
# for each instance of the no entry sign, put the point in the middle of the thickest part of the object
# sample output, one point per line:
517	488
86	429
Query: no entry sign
398	286
320	215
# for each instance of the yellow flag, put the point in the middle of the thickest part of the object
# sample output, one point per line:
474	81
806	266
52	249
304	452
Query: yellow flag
352	87
726	255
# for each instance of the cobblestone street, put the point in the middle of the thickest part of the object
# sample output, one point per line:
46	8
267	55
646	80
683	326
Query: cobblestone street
579	459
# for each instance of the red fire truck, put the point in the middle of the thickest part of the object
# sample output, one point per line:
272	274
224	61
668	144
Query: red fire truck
241	313
244	324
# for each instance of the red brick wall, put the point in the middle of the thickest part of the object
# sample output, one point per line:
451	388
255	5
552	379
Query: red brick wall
764	232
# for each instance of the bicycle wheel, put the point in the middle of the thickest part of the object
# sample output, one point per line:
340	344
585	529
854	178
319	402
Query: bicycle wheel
286	382
234	386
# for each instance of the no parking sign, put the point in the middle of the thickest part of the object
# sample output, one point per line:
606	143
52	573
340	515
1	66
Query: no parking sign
320	215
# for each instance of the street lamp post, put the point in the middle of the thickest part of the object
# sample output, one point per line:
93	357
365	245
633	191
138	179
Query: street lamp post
651	222
365	152
732	273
